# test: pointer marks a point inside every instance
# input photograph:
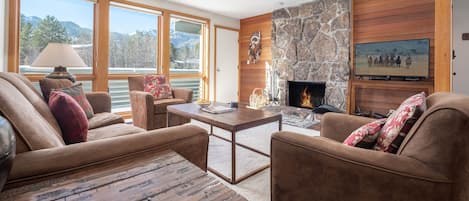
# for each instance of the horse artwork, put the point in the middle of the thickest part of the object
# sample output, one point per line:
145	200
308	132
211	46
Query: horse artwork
254	52
408	58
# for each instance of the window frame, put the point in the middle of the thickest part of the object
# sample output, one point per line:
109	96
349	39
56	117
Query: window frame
100	74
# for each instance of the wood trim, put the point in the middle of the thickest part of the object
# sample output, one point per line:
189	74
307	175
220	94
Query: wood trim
125	115
102	37
215	60
443	28
79	77
350	90
13	35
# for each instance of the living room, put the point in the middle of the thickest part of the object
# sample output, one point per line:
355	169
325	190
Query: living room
234	100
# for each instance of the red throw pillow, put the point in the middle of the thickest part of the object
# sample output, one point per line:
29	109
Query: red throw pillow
400	122
71	118
365	136
76	91
156	85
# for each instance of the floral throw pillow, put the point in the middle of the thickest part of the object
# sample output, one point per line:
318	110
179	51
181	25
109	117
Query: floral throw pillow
365	136
156	85
400	122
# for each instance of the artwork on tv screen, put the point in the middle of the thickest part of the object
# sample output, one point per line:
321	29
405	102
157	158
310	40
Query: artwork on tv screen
409	58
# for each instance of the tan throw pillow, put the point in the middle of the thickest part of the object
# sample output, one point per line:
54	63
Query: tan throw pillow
47	85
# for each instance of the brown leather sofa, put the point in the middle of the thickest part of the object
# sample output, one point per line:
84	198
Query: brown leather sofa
150	114
431	164
42	153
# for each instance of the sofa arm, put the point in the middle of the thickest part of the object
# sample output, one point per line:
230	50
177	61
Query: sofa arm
100	101
337	126
185	94
142	105
189	141
318	168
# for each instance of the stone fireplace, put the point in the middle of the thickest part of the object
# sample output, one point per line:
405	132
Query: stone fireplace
306	94
311	43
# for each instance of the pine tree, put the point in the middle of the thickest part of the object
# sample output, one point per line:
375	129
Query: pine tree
49	30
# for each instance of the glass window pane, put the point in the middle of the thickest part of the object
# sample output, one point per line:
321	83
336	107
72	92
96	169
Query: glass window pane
186	42
132	45
119	91
195	84
68	21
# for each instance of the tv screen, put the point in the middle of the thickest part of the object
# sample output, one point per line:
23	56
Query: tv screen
409	58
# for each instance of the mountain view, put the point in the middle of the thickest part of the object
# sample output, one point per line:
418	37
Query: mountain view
127	50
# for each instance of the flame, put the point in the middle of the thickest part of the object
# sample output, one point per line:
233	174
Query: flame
306	99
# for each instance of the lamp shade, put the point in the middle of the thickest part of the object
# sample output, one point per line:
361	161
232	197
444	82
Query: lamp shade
58	54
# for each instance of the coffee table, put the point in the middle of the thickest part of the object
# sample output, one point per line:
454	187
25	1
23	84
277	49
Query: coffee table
240	119
162	176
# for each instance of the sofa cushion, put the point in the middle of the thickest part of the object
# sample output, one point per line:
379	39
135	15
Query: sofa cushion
112	131
160	105
400	122
104	119
72	119
32	129
76	91
365	136
47	85
156	85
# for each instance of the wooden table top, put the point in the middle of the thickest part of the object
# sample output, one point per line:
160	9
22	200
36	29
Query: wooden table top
241	118
166	176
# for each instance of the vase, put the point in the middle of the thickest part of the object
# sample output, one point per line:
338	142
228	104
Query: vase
7	150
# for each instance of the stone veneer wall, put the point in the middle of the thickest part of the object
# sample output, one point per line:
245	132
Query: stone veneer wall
311	42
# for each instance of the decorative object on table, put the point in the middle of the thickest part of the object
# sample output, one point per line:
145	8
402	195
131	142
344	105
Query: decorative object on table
255	48
203	103
7	150
408	58
156	85
234	104
60	56
257	99
217	109
272	83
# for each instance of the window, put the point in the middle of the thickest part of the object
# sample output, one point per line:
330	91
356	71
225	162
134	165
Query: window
186	46
133	41
68	21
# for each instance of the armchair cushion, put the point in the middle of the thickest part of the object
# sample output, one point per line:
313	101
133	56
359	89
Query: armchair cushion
400	122
365	136
72	119
156	85
104	119
160	105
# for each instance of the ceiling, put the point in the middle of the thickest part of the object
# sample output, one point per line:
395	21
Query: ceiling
239	9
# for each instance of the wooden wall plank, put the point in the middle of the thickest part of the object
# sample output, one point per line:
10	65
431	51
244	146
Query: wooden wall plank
253	75
384	20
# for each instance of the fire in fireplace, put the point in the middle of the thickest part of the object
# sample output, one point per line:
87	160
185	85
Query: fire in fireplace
306	94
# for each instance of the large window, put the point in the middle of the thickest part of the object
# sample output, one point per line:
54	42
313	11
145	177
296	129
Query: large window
133	44
58	21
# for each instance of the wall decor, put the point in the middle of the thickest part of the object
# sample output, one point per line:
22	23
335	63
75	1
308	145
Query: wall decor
407	58
255	47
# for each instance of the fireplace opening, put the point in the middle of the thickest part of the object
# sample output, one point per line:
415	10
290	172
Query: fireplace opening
306	94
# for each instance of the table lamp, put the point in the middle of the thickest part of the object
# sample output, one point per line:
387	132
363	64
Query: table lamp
60	56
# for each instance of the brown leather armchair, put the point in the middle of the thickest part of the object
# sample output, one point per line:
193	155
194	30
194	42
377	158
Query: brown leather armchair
431	164
150	114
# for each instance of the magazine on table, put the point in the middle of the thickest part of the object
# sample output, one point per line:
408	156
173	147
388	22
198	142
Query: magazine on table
217	109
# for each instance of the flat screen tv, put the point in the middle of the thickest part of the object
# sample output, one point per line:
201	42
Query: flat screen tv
407	58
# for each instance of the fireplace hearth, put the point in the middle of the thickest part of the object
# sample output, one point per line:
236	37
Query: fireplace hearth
306	94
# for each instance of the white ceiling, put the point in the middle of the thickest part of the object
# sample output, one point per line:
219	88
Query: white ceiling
239	9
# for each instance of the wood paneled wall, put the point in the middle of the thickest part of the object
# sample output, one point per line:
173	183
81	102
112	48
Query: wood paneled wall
384	20
253	75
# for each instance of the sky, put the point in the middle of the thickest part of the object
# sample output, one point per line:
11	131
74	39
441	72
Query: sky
81	13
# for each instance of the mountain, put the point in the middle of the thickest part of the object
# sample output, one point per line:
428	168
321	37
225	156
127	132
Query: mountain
73	29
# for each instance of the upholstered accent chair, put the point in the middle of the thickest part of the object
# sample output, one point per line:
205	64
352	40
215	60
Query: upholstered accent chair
431	164
41	153
150	114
